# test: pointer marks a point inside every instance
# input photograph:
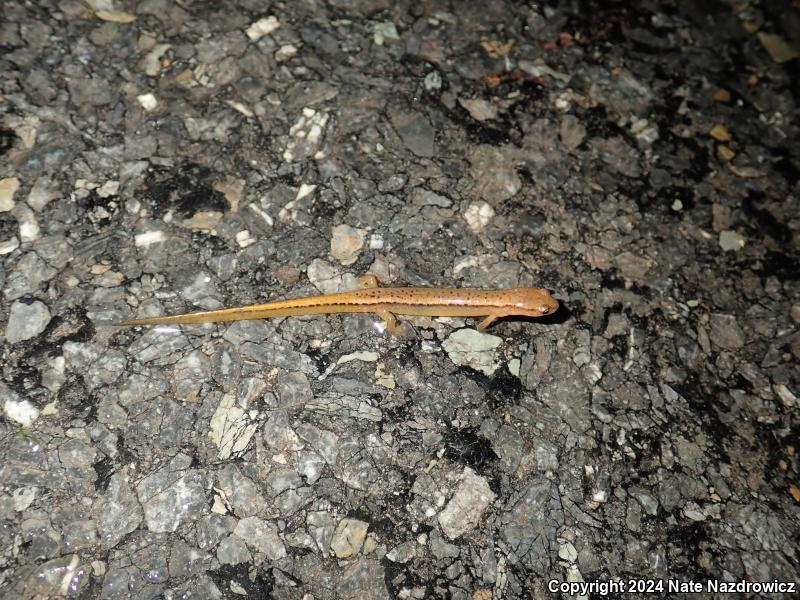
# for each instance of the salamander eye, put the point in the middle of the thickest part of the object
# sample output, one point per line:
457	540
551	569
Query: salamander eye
545	309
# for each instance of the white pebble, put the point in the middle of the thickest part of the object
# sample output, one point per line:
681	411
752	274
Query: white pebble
433	81
149	237
108	189
285	52
478	215
384	31
376	241
152	61
21	411
9	245
243	239
28	226
262	27
305	190
147	102
24	497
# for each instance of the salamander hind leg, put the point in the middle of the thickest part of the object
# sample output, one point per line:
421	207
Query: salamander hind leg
368	281
392	326
488	321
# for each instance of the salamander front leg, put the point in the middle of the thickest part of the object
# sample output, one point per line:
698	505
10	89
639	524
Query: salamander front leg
392	326
368	281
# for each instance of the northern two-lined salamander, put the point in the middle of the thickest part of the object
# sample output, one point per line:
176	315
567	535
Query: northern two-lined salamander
386	303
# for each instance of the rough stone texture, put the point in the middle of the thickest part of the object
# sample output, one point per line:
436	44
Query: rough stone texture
640	160
465	509
349	537
473	349
261	536
26	321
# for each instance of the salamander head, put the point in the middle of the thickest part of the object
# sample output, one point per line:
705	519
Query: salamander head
533	302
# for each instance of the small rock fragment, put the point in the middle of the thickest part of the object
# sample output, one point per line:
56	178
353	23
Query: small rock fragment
243	239
58	577
730	241
348	538
494	172
433	81
721	216
467	347
285	52
40	194
346	243
115	16
618	155
646	132
725	153
306	135
693	511
8	187
364	355
572	132
567	552
20	411
172	496
152	62
232	189
231	427
795	313
725	332
780	50
720	133
480	109
149	237
204	220
23	497
105	34
261	535
286	274
538	69
9	245
402	553
262	27
385	30
109	189
795	492
304	190
327	278
147	102
27	131
26	321
632	266
785	394
496	48
416	132
376	242
29	230
478	215
465	509
747	172
721	95
233	551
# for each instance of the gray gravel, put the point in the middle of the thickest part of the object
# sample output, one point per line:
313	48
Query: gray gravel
641	162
